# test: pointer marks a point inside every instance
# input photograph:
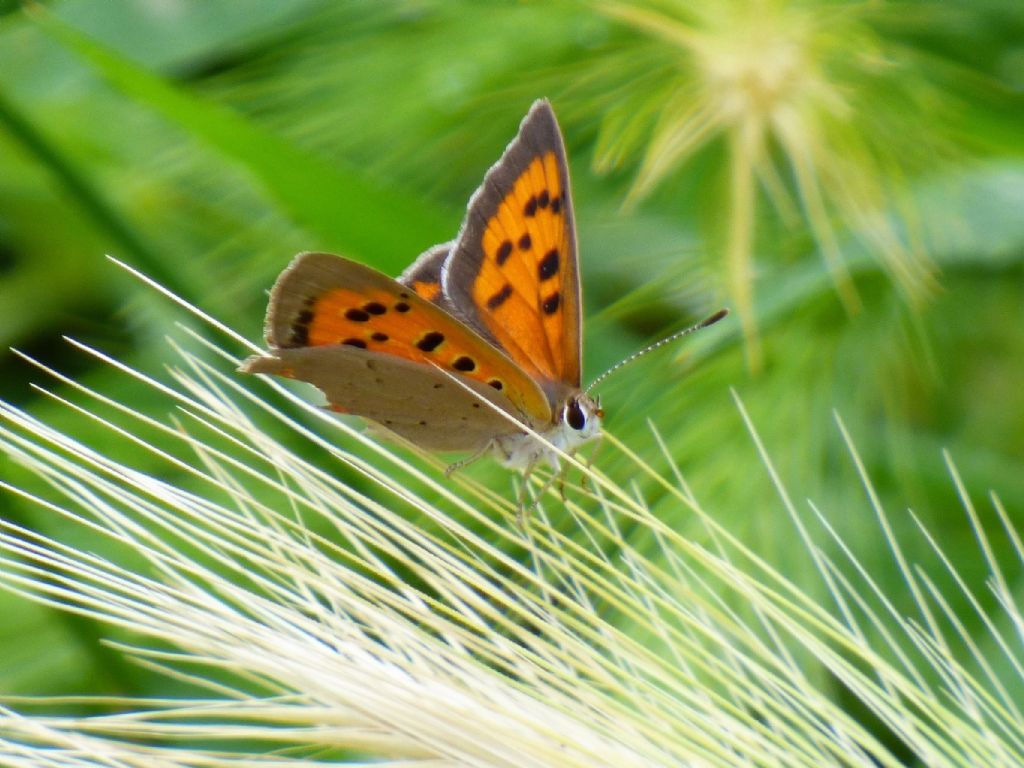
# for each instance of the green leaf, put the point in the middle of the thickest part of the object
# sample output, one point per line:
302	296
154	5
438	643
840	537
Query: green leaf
344	210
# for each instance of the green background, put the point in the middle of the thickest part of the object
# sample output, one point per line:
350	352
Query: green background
207	142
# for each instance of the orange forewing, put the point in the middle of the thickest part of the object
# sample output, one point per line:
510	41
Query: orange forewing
526	246
422	336
380	315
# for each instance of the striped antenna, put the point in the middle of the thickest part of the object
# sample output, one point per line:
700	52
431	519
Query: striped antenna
667	340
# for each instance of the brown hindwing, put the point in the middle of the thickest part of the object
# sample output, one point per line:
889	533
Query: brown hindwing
413	400
424	274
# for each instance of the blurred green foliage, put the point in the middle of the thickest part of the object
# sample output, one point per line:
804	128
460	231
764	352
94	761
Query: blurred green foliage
207	141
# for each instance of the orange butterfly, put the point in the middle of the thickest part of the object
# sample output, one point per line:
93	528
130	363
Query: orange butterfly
490	319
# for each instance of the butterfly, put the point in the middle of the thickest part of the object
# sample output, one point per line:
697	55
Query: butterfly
478	338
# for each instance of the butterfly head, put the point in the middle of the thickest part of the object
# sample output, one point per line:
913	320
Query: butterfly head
579	420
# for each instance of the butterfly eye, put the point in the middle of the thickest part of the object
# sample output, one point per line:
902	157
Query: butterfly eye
574	415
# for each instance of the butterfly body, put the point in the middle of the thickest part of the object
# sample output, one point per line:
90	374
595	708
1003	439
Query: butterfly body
476	340
570	432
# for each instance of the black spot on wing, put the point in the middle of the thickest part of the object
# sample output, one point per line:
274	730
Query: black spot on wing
500	297
299	335
548	266
550	303
430	341
504	251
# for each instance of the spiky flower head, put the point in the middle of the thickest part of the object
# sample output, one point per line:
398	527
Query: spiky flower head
810	108
324	609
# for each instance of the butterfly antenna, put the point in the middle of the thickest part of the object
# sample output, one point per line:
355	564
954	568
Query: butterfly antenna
667	340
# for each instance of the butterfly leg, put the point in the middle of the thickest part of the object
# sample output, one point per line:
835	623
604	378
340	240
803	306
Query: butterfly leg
451	469
598	444
521	505
561	477
557	473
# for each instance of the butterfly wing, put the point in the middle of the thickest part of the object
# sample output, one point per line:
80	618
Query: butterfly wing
424	274
330	318
413	400
513	273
